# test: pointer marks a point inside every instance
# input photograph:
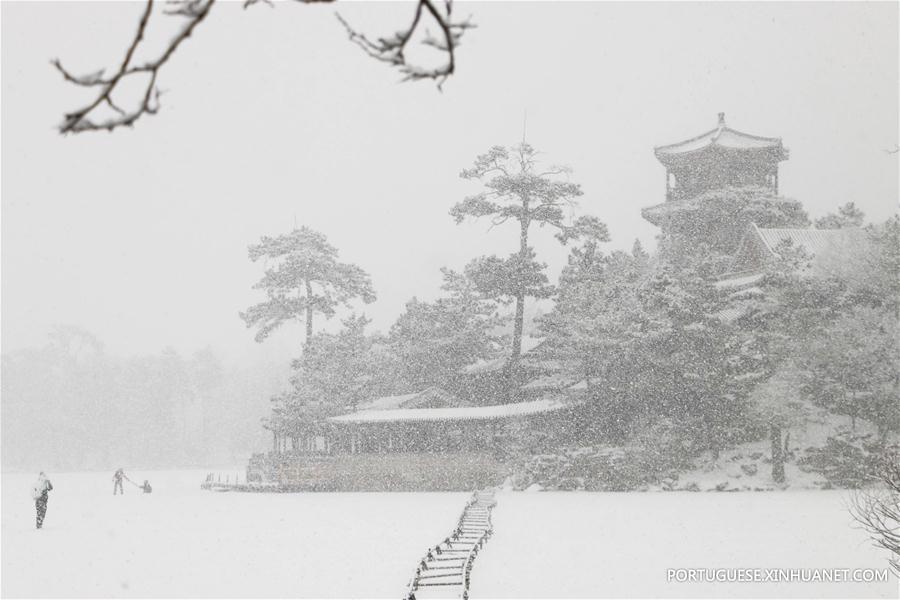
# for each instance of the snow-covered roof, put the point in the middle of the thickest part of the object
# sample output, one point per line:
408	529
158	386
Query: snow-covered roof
461	413
485	366
728	315
758	246
722	137
491	365
432	396
387	402
812	240
738	280
554	381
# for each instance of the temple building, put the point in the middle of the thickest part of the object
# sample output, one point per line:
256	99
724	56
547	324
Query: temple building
739	223
434	439
761	246
719	158
722	158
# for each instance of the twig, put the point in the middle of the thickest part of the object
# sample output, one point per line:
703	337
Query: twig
195	11
392	49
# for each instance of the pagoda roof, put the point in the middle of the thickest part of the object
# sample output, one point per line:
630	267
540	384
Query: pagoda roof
722	137
659	213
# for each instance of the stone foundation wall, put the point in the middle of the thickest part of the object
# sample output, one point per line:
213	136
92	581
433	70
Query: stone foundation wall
389	472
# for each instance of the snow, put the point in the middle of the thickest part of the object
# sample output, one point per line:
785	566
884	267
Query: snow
181	541
620	545
458	413
738	281
388	402
184	542
745	467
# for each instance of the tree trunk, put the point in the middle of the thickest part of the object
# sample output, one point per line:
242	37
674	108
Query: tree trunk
519	323
714	447
777	454
712	437
309	312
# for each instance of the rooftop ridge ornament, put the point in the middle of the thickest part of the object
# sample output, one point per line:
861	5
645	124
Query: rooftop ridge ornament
721	127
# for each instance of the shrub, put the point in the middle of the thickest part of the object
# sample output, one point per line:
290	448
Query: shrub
846	460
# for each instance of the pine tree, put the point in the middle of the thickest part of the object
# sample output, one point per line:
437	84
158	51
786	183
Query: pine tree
517	190
303	277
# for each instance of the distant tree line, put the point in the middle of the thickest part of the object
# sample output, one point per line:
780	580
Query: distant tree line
70	405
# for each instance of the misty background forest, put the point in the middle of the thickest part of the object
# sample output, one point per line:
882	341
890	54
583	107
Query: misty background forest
75	406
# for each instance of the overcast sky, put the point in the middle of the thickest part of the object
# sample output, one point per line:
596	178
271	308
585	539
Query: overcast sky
271	118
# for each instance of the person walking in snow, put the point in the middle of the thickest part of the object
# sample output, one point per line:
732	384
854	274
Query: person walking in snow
117	481
40	494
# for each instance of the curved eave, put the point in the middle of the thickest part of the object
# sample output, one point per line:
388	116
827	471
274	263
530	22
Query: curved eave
659	213
766	154
723	139
715	134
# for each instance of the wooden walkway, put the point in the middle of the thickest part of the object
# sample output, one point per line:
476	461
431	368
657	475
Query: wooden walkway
445	570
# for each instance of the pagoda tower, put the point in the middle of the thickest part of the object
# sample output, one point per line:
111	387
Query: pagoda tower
721	157
717	183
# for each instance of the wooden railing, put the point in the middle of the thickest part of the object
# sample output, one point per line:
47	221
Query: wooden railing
473	529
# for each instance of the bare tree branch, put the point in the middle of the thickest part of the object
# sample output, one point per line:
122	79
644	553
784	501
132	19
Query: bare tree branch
77	121
877	510
94	117
392	49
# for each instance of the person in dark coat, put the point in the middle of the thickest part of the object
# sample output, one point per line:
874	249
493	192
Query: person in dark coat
117	482
40	494
146	487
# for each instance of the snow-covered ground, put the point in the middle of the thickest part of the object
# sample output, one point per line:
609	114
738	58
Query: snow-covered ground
621	545
746	467
181	541
184	542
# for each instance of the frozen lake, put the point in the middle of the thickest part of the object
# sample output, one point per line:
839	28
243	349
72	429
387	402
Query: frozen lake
184	542
621	545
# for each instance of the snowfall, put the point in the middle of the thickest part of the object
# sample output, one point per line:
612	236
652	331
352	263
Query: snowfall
181	541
